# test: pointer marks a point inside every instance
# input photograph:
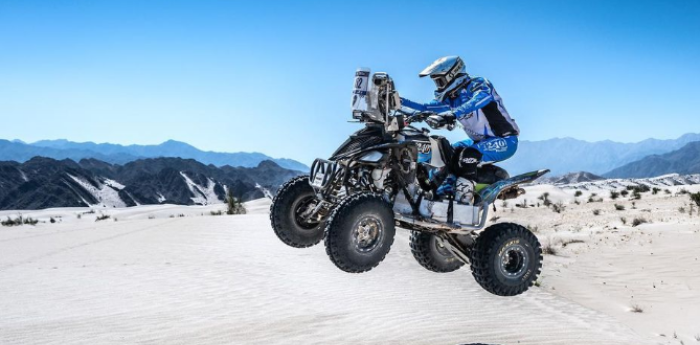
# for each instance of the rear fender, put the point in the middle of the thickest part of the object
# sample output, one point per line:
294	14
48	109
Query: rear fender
490	194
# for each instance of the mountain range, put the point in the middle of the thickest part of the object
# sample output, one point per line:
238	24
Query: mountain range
45	182
564	155
685	160
20	151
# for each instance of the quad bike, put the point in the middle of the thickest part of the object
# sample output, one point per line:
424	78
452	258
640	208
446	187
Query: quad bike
378	179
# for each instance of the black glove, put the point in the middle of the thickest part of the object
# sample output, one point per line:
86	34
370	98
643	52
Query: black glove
440	120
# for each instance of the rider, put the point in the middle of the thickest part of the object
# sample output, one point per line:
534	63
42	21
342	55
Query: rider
473	102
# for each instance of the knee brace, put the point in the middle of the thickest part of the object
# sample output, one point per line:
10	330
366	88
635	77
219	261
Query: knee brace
466	161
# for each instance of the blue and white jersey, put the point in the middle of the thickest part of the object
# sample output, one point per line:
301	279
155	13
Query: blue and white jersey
478	108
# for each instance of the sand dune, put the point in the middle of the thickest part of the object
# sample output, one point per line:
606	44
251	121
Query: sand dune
202	279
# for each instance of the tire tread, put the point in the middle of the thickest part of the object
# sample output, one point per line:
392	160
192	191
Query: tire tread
420	248
339	216
276	215
484	248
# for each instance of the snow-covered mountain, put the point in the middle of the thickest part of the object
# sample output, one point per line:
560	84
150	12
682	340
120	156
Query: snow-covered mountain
564	155
44	182
119	154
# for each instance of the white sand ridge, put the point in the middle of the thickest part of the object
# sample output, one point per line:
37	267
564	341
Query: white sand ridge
227	279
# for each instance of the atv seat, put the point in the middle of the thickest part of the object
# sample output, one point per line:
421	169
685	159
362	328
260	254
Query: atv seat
490	174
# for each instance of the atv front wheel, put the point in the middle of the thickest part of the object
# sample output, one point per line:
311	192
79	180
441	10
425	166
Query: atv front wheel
287	212
359	232
430	253
506	259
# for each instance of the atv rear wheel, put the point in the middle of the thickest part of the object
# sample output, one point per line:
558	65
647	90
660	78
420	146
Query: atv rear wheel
432	254
506	259
287	214
359	232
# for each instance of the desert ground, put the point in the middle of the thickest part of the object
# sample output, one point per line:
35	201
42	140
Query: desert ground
179	275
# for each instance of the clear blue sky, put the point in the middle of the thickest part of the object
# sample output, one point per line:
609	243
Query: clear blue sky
275	77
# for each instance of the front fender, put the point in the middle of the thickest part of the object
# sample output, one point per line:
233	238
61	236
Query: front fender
490	194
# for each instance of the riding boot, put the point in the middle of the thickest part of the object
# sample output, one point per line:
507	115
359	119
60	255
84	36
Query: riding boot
447	187
436	177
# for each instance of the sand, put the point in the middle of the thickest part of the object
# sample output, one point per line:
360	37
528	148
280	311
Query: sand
147	278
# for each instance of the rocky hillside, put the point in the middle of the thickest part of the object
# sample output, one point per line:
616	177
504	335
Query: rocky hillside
576	177
661	182
44	182
683	161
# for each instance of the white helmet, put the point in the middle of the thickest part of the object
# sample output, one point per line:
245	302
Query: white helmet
447	73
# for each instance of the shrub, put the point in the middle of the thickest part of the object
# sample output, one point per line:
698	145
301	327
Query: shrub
578	193
695	197
102	217
614	194
624	193
596	212
52	220
216	213
638	221
233	206
667	191
558	207
619	207
642	188
19	221
655	190
623	220
12	222
681	209
636	195
591	199
637	309
545	199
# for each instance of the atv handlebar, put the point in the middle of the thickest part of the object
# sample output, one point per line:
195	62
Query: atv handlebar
416	117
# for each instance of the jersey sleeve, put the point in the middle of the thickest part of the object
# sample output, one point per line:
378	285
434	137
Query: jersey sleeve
481	92
434	106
